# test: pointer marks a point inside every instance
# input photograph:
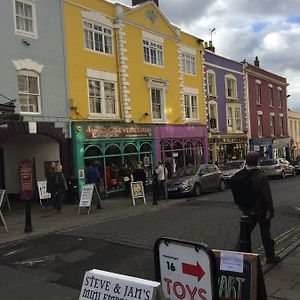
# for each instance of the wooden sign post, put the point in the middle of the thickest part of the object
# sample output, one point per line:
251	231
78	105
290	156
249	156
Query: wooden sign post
137	191
86	197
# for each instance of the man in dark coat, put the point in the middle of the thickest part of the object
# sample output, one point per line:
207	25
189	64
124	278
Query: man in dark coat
93	177
263	211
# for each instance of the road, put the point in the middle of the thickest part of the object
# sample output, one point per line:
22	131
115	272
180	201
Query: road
54	265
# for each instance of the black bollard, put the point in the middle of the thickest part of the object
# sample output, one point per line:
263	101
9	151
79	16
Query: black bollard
28	227
245	234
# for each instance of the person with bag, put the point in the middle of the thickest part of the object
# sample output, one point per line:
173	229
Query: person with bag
59	187
251	192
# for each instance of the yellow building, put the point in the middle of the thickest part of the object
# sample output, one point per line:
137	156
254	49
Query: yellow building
135	89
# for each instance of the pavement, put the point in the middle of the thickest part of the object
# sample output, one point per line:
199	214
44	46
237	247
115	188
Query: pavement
282	280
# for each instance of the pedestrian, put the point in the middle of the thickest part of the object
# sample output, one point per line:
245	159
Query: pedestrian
254	181
93	177
127	176
59	187
50	188
162	174
139	174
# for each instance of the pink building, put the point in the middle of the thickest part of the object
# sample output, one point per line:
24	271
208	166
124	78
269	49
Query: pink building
267	99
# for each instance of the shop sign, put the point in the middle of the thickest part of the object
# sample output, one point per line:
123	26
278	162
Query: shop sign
26	179
115	131
137	191
102	285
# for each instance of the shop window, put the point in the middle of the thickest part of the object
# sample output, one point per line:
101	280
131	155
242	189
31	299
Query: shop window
189	153
146	147
198	153
92	151
178	156
112	150
130	148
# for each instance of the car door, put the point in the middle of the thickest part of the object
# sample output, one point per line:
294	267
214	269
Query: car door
204	177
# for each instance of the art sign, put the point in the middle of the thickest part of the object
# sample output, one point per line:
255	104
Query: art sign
115	131
26	179
137	191
101	285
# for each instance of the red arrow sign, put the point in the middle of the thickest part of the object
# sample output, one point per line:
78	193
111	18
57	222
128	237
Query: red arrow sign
194	270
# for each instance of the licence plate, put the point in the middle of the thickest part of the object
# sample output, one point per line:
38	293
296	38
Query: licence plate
172	189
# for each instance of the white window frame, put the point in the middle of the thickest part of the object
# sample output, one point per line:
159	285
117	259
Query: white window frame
280	98
270	95
233	120
258	93
272	124
33	33
188	105
211	88
157	57
101	33
260	124
234	81
35	74
188	62
215	104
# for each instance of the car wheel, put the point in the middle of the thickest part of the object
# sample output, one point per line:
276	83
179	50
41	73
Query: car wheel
197	189
282	175
222	185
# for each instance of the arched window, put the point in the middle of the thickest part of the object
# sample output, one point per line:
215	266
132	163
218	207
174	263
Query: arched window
112	149
146	147
130	148
92	151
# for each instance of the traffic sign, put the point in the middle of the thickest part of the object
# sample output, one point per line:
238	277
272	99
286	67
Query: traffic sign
186	270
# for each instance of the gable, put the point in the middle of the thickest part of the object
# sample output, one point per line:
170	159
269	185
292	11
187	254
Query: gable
149	16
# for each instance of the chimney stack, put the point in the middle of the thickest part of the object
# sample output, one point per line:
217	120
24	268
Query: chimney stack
256	62
137	2
209	46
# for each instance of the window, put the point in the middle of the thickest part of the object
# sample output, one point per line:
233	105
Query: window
188	63
191	106
270	96
153	53
231	88
25	18
258	93
211	83
97	37
281	125
272	125
102	98
260	125
234	118
29	92
213	115
157	104
279	98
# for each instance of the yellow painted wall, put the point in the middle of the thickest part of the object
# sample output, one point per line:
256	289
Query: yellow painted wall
79	59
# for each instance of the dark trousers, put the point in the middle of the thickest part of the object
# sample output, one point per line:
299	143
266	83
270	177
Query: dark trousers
161	184
127	187
265	232
59	198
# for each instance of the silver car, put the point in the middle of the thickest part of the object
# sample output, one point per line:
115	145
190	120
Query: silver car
231	168
279	167
196	179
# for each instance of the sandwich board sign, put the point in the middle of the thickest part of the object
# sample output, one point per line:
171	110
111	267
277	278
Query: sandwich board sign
87	196
102	285
42	187
186	270
137	191
3	198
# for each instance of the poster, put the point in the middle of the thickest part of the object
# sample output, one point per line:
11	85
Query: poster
42	188
26	179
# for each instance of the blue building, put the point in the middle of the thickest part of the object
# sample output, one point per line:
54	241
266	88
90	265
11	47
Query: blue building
227	108
33	72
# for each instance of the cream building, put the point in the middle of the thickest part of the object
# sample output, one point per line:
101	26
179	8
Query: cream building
294	132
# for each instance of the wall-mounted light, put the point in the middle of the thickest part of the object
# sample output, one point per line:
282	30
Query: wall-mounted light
25	42
288	95
146	114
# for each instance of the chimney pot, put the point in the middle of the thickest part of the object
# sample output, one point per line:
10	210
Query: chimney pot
256	62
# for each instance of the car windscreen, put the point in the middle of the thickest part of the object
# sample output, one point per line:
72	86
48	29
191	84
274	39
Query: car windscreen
269	162
187	171
234	165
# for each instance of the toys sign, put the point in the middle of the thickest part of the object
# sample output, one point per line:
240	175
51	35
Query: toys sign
186	270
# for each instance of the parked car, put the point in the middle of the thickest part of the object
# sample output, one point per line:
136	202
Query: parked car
231	168
296	165
279	167
196	179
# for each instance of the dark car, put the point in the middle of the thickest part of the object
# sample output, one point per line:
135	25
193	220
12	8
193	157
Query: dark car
196	179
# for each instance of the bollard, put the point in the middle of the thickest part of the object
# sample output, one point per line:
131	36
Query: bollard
245	234
28	227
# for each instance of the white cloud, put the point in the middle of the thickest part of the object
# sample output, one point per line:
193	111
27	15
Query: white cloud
244	29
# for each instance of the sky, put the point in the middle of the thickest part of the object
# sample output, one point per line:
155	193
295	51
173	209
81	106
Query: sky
269	29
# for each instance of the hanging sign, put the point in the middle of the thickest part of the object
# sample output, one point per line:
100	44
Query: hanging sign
137	191
186	270
26	179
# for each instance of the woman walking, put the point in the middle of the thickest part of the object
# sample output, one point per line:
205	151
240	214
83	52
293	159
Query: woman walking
59	187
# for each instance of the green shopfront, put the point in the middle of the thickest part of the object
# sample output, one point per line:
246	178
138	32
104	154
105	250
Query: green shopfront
112	145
